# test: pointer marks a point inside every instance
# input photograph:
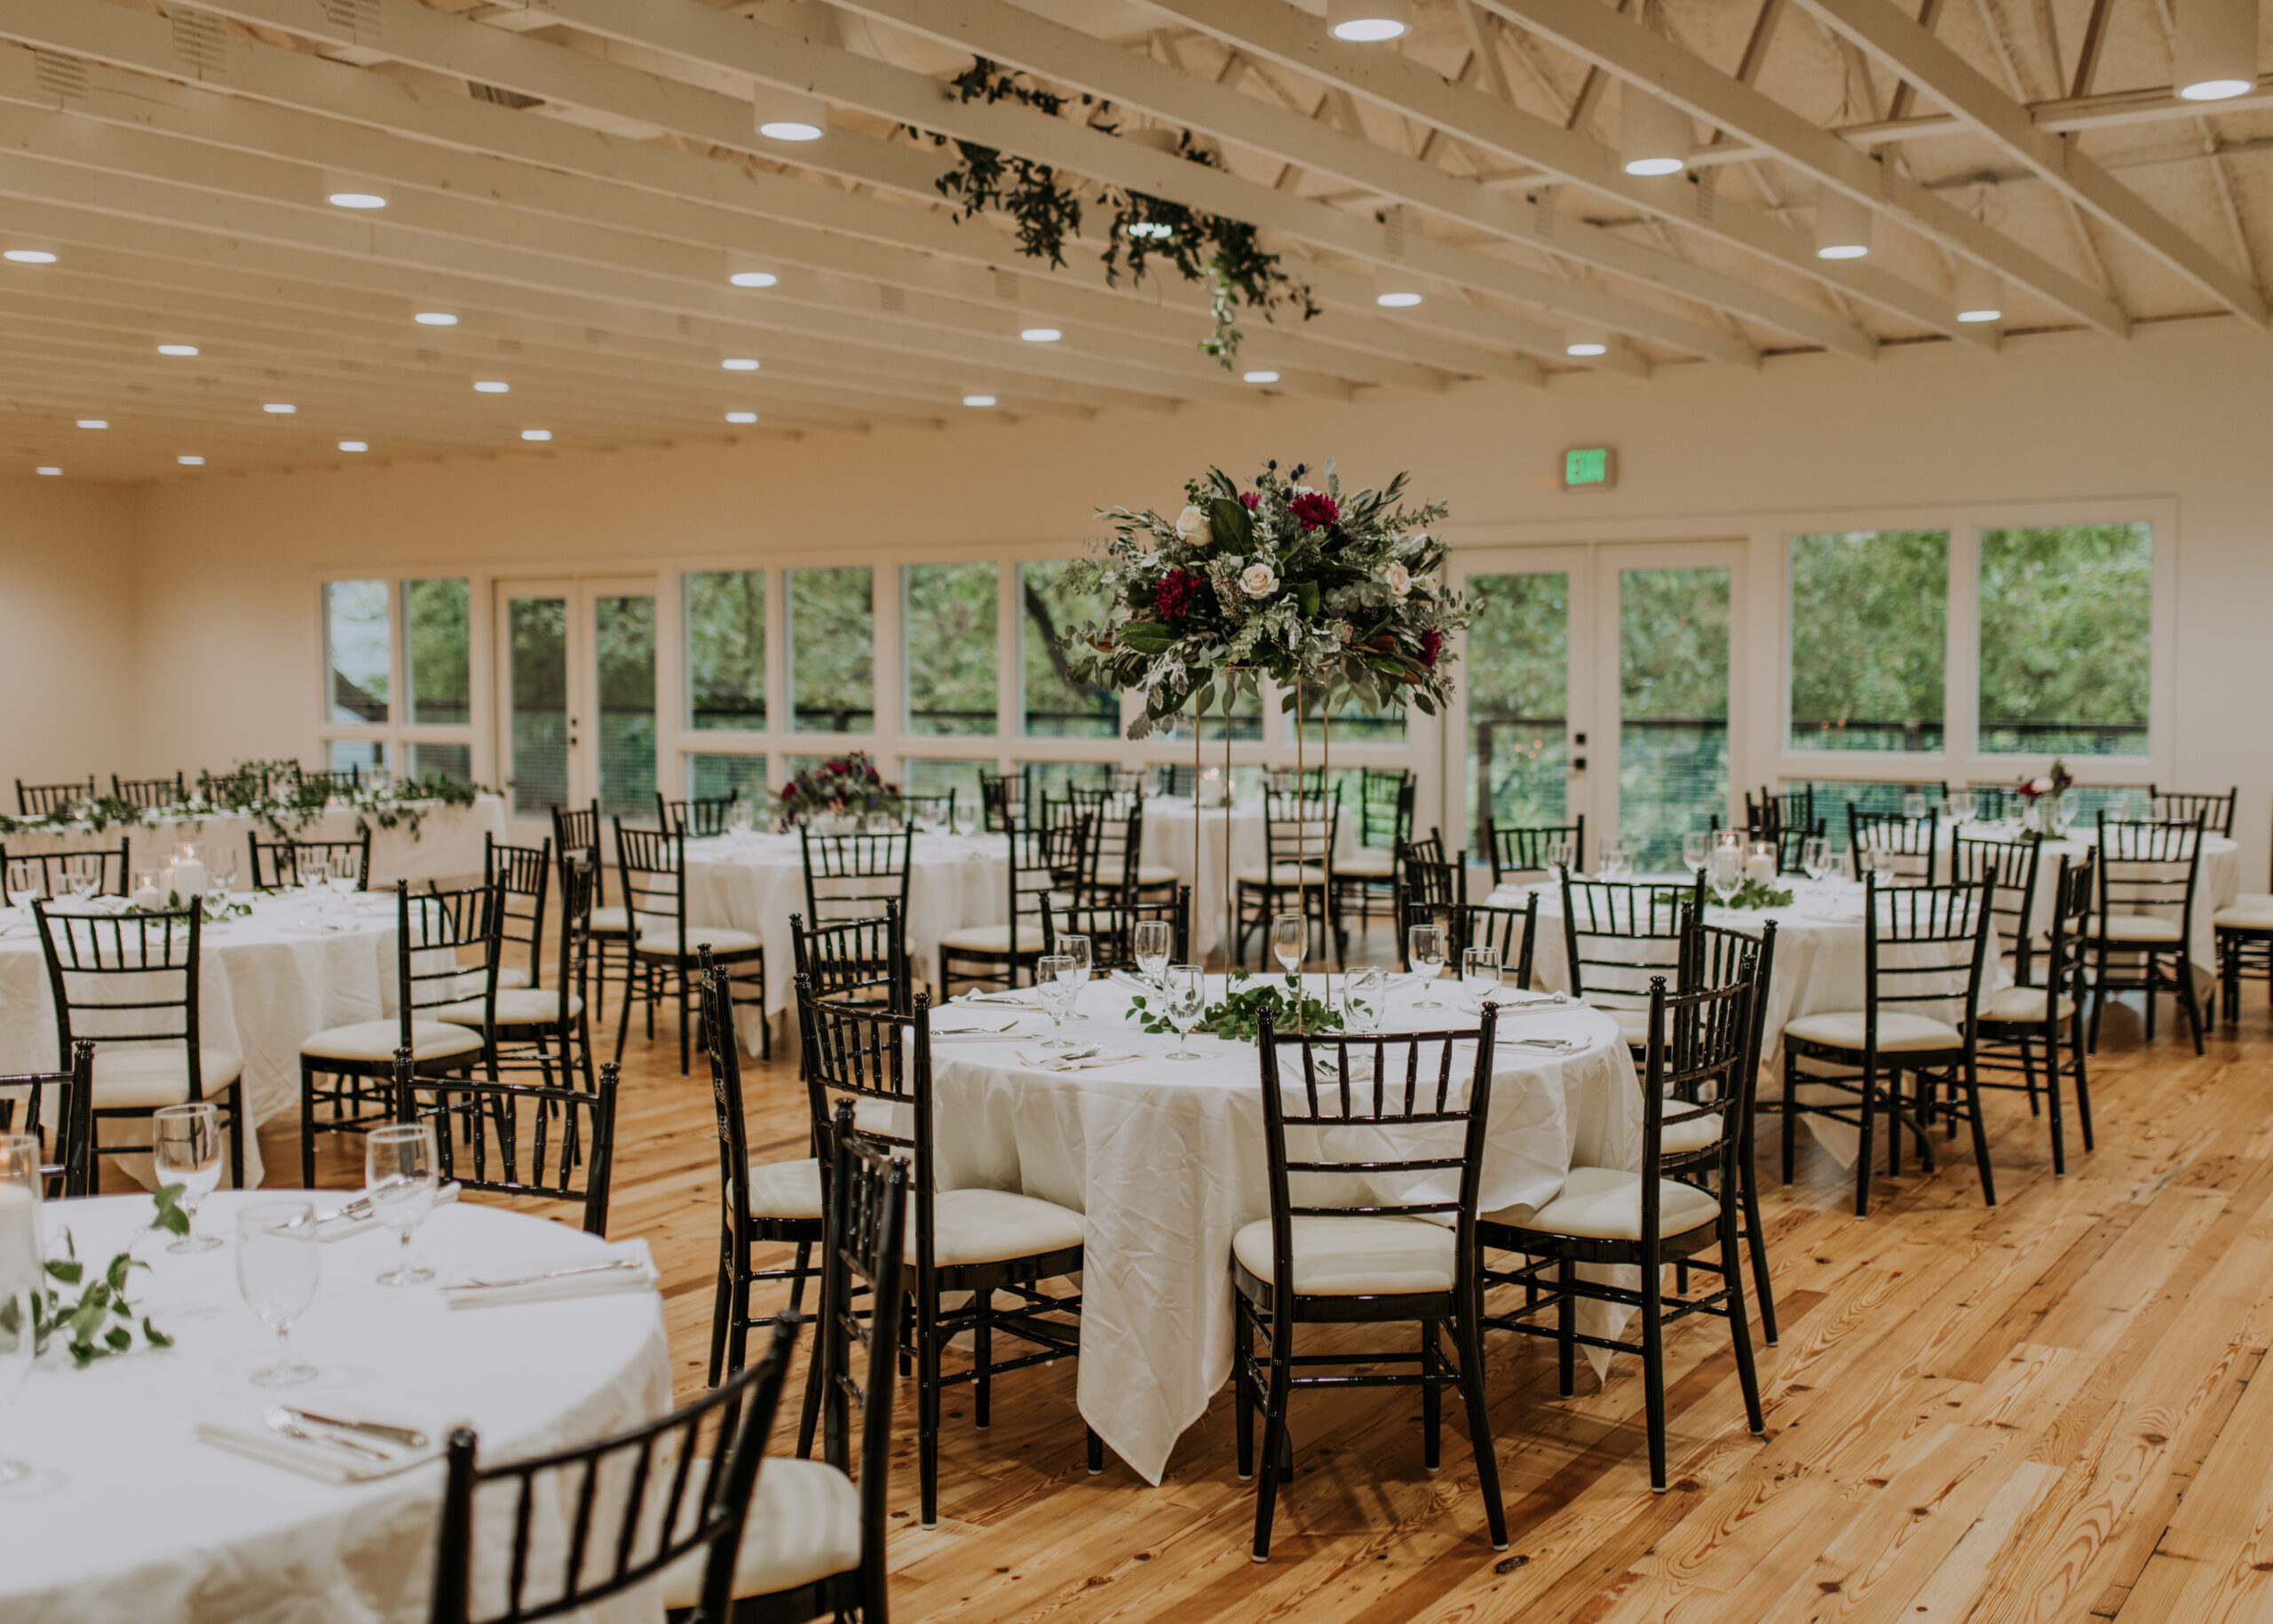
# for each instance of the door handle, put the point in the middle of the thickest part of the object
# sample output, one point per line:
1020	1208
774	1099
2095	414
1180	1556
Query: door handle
573	725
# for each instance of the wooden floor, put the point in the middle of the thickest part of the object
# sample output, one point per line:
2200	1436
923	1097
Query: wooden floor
2044	1410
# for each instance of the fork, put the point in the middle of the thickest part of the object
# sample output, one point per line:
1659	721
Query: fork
280	1420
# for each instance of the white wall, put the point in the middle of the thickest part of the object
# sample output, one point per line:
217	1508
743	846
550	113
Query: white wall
228	566
67	653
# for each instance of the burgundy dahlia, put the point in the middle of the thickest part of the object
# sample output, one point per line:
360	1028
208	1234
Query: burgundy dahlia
1176	594
1315	509
1432	643
1250	499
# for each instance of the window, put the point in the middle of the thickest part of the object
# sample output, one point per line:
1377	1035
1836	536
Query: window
2066	640
1517	668
948	629
368	755
1673	705
399	685
434	652
725	651
832	651
709	777
1056	706
1869	619
624	640
928	775
355	640
539	674
450	761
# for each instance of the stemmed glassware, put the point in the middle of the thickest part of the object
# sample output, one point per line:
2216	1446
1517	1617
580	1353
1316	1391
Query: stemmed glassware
1913	804
1290	938
1152	941
1726	874
1961	807
278	1265
221	871
1617	861
1365	994
83	873
1559	858
185	1149
313	869
342	875
1427	947
1187	997
1696	846
1076	947
966	819
21	1278
26	881
1055	986
738	820
400	1176
1816	860
1479	973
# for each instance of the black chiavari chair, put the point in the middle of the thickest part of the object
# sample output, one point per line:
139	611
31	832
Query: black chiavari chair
1002	800
1716	956
2214	813
1299	831
1048	859
329	784
1511	934
577	832
988	1243
1517	849
1681	1207
45	800
151	794
276	864
935	811
856	958
1365	881
522	1138
66	1132
543	1029
2009	869
111	867
2145	916
1924	951
1994	803
674	1508
856	877
1404	1112
1618	937
1172	780
523	876
1778	810
130	984
1431	893
1111	928
2022	1027
1909	848
651	866
698	817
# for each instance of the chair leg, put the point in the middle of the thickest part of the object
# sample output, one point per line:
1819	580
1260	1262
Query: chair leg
2083	1084
1757	1243
307	1128
1431	1396
982	1360
809	1416
1567	1328
2229	976
2028	1073
1469	1342
721	1309
1867	1115
1980	1131
236	1136
1791	1112
2099	993
1275	1438
927	1399
798	1280
1653	1369
1243	1393
1740	1329
624	1016
2187	997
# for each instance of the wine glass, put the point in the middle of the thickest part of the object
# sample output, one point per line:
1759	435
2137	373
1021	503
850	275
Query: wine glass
313	869
1479	973
1558	857
342	874
1617	860
1152	941
1726	874
221	871
185	1149
83	872
400	1176
737	818
1961	807
966	820
1815	857
21	1275
1914	805
1290	938
278	1264
1187	986
1428	946
1076	947
26	881
1364	994
1696	846
1055	986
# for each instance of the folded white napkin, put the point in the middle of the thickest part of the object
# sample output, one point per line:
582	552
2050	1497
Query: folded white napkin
339	1451
625	1266
358	1214
1072	1061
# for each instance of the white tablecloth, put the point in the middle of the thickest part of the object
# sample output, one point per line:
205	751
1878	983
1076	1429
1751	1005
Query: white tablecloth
447	844
1167	1160
267	984
1168	841
150	1524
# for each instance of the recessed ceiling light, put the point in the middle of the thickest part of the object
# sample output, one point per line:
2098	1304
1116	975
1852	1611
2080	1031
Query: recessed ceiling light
739	363
790	130
51	470
492	386
785	114
536	433
1397	299
435	318
1151	228
753	279
191	461
1980	293
2213	48
28	256
741	416
1367	22
1260	378
1040	335
353	444
978	399
1586	347
1843	226
281	408
94	422
356	197
1653	134
176	349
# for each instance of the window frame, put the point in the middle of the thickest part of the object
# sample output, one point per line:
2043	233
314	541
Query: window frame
396	734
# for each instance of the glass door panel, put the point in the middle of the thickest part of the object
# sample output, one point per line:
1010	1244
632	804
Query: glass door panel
578	674
537	733
623	644
1672	708
1518	700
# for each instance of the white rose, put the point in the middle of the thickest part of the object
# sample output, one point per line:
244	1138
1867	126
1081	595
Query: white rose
1399	579
2042	786
1258	581
1191	524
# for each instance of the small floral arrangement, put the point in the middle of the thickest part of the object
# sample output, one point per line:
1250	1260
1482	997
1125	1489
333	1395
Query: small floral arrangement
848	784
100	1321
1238	1017
1321	590
2056	782
1758	894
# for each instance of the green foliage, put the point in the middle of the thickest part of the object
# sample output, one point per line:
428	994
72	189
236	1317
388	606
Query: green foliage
1238	1017
833	650
1673	763
99	1322
435	647
2066	637
1757	894
950	629
270	792
725	640
1518	696
1870	613
1059	704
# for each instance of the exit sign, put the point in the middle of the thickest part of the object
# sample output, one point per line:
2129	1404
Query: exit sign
1589	468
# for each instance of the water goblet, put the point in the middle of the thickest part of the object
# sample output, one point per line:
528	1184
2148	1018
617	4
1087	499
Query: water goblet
1290	937
1427	946
21	1275
737	818
1815	858
221	870
1961	807
83	872
185	1149
1617	860
1152	942
1054	986
1479	973
400	1176
343	875
1726	874
966	821
1187	998
313	869
1364	994
26	881
1914	805
1076	947
278	1265
1696	846
1559	858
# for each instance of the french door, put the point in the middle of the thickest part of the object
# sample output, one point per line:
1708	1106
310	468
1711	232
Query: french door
577	671
1597	681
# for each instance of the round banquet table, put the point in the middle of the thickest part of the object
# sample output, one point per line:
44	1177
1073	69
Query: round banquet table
265	984
1166	1159
1167	842
152	1523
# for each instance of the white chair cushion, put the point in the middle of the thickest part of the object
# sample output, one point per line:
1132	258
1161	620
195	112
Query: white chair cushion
1633	1025
2021	1003
144	1079
992	939
520	1006
1689	1134
1367	861
511	978
1156	874
610	921
2134	928
2245	914
1283	873
804	1525
1355	1257
375	1041
718	938
785	1189
1897	1031
1605	1204
992	1226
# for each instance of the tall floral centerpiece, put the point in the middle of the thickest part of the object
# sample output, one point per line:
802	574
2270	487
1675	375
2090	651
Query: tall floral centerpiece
848	787
2045	799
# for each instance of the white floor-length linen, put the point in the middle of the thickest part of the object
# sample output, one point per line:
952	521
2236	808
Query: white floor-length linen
1166	1161
446	844
151	1525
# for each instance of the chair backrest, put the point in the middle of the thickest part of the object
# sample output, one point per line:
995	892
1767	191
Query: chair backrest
1173	779
337	781
114	863
578	829
698	816
1923	951
1386	797
579	885
1774	811
628	1506
939	810
857	1052
2147	868
1001	799
40	800
651	869
2075	896
1046	862
1300	828
150	793
59	1111
1294	781
1112	927
1521	848
523	875
1618	937
1429	894
1994	803
715	1015
1116	844
862	1305
1716	955
855	958
855	877
446	941
127	978
1911	845
1404	1110
1511	934
2216	812
520	1138
276	863
1699	1076
2009	869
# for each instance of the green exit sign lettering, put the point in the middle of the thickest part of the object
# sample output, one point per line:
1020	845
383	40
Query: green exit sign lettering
1589	468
